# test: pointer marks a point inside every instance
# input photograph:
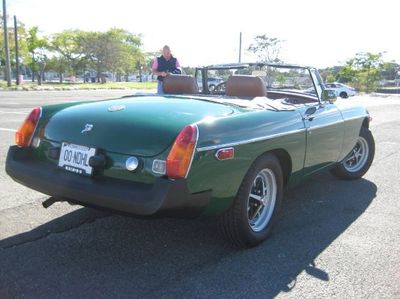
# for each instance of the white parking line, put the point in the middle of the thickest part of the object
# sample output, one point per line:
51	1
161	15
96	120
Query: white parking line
14	112
7	130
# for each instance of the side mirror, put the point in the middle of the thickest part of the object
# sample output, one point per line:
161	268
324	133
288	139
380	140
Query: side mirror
329	95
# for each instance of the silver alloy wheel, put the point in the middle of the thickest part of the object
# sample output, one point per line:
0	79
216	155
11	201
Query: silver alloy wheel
262	199
358	156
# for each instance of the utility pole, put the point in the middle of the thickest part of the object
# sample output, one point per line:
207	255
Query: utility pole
240	47
6	47
16	49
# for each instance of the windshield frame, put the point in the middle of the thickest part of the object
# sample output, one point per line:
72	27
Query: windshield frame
316	79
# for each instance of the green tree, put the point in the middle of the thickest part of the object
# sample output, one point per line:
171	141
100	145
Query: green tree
58	65
266	48
24	56
330	78
330	74
390	70
38	50
281	79
115	50
363	71
189	70
66	52
131	56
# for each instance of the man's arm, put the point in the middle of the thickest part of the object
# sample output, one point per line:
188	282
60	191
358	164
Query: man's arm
178	66
154	68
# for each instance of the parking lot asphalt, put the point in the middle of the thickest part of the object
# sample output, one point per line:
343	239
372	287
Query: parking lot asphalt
334	239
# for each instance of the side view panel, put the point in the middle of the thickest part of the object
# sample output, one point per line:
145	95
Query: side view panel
354	117
325	131
251	135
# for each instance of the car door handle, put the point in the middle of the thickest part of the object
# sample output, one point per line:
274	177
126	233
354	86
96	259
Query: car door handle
309	117
310	113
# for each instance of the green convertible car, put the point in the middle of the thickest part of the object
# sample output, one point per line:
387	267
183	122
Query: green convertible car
190	152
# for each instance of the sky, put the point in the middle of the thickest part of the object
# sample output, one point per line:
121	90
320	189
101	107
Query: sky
318	33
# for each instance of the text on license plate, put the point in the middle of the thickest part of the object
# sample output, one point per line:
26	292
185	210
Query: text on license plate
75	158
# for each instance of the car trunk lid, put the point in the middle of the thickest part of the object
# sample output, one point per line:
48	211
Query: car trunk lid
143	126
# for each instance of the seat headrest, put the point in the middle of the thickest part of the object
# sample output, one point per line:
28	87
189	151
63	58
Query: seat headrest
180	84
245	86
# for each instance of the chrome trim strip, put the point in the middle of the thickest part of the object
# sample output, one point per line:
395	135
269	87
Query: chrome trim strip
232	144
326	125
356	117
336	122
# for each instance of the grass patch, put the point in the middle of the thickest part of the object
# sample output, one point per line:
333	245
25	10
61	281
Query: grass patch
79	86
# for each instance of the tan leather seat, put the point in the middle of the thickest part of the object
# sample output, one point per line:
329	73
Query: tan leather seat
245	86
180	84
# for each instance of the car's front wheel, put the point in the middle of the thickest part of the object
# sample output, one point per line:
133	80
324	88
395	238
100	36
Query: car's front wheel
344	95
249	220
359	160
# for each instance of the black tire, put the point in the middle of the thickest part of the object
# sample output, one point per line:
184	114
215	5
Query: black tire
235	221
343	95
211	87
343	172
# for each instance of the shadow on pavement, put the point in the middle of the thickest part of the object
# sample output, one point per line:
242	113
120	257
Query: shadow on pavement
126	257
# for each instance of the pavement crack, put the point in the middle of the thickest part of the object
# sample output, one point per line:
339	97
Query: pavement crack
43	232
384	158
29	203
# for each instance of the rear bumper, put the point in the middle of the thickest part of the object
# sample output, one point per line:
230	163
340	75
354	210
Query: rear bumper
162	197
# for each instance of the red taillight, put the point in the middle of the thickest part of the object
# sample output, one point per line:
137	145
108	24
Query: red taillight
225	153
24	134
180	156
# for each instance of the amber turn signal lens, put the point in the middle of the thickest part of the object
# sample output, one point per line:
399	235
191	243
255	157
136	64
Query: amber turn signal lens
24	135
180	156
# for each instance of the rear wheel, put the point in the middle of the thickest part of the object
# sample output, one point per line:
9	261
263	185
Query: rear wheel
359	160
249	220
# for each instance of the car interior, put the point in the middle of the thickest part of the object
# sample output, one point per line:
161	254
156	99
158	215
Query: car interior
239	86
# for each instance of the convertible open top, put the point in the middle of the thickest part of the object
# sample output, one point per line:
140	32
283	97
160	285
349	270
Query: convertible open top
226	146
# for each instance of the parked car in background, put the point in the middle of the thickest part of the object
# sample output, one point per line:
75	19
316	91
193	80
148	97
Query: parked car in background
342	90
214	82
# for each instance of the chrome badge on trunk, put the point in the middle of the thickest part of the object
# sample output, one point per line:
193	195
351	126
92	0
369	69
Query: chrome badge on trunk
116	108
88	128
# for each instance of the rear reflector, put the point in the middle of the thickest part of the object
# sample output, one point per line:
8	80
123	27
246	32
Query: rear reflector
24	135
159	167
181	154
225	153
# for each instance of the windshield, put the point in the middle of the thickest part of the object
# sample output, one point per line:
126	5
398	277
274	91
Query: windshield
276	78
290	79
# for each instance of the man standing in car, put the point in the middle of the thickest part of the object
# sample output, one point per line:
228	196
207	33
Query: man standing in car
164	65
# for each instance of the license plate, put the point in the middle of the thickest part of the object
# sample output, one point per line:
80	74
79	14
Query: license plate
75	158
